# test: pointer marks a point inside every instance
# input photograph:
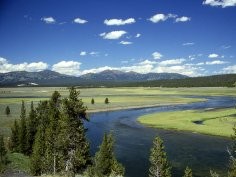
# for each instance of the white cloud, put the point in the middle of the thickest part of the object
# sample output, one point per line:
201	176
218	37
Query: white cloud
188	44
126	42
83	53
113	34
162	17
158	18
49	20
172	62
147	62
182	19
148	66
67	67
138	35
222	3
181	69
119	21
97	70
216	62
80	21
156	55
229	69
5	66
213	55
93	53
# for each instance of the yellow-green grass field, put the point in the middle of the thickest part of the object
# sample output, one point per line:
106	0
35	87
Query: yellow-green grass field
218	122
119	98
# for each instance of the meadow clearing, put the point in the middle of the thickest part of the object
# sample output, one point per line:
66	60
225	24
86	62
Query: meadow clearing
119	98
218	122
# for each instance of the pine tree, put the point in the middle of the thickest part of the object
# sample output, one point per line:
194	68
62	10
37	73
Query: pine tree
31	128
105	163
92	101
7	111
52	131
15	137
73	143
23	130
3	151
188	172
106	101
38	154
158	159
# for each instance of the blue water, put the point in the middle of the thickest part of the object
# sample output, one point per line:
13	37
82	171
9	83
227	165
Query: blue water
133	140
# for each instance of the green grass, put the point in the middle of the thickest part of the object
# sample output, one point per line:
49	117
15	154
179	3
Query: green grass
120	98
214	122
19	162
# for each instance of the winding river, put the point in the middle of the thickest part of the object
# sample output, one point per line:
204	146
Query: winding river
133	140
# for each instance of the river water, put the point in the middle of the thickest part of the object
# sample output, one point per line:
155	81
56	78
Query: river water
133	140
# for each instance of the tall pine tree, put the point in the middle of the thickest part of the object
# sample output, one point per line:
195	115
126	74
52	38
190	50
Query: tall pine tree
158	159
105	163
38	154
73	143
14	145
31	128
52	131
23	130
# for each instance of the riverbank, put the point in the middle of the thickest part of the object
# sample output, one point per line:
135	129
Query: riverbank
217	122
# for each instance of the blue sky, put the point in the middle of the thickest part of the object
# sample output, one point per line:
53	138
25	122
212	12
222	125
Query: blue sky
81	36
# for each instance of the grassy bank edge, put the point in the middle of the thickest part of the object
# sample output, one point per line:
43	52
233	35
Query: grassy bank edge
145	120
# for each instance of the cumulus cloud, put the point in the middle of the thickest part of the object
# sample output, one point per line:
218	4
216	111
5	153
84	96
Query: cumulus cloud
83	53
126	42
147	66
5	66
93	53
156	55
213	55
182	19
67	67
80	21
216	62
162	17
97	70
138	35
48	20
158	18
229	69
181	69
113	34
222	3
172	62
119	22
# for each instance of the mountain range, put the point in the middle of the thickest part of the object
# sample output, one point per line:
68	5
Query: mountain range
52	78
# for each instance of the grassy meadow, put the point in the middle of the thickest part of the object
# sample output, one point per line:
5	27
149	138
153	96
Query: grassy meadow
214	122
119	98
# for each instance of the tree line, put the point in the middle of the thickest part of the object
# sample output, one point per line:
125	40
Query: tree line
54	136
